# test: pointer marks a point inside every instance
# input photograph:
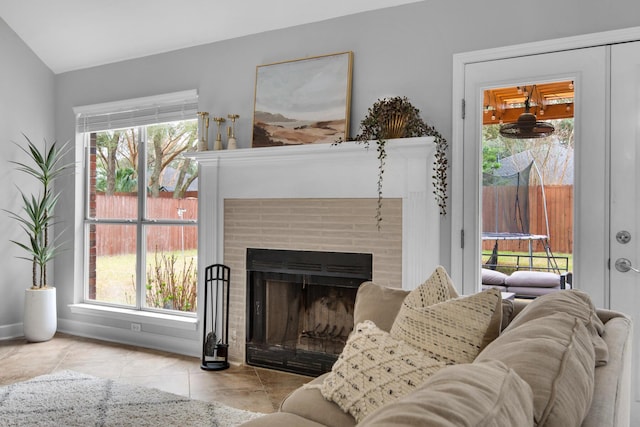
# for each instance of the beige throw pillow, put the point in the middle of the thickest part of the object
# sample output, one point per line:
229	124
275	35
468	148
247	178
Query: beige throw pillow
437	288
454	331
554	355
375	369
480	395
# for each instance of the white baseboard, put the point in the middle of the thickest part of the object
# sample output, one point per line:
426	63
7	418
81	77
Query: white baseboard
8	332
123	336
171	344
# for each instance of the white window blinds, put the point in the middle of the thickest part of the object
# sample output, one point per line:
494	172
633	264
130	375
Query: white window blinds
137	112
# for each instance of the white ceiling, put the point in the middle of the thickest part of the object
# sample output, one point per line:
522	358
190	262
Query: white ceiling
74	34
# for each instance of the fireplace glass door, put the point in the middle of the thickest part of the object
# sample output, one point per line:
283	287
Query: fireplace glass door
300	312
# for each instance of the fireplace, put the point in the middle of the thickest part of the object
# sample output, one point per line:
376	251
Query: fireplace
300	307
317	197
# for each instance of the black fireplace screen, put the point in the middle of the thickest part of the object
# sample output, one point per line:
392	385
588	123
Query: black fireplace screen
300	307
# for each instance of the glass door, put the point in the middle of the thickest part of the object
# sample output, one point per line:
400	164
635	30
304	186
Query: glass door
586	69
527	178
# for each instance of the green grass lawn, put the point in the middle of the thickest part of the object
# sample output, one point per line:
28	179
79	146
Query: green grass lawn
115	275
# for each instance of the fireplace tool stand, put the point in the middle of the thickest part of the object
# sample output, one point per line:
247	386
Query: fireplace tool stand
215	333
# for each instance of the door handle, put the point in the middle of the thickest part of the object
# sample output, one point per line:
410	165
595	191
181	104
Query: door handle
623	265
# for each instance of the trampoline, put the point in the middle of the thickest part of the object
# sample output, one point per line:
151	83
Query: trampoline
506	214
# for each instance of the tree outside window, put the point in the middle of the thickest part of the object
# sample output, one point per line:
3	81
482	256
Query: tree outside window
142	217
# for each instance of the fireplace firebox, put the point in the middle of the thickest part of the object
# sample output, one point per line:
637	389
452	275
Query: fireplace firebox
300	307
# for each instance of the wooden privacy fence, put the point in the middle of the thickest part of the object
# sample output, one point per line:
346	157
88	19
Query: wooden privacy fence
560	213
117	239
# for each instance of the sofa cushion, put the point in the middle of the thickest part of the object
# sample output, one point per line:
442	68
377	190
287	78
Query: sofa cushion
493	277
479	395
380	304
500	288
576	303
307	402
454	331
375	369
555	356
537	279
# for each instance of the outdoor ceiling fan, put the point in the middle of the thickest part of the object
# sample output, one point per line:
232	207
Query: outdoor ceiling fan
527	126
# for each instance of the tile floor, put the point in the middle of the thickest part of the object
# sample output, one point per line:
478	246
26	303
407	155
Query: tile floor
243	387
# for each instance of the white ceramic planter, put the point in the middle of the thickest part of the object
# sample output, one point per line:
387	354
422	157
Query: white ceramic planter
40	315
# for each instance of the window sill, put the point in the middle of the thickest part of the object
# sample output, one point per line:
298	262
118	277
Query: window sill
136	316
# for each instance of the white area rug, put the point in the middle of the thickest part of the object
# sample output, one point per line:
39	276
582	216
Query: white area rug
69	398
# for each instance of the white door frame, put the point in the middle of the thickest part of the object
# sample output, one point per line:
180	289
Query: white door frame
459	62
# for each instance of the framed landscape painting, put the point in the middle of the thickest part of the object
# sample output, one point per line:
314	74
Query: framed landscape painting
304	101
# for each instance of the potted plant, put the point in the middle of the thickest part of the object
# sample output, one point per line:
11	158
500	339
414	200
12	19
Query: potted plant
36	218
396	117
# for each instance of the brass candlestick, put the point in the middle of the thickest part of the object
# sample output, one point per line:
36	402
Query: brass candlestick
231	132
203	128
217	145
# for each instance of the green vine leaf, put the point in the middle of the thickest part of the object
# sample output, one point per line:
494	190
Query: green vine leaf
396	117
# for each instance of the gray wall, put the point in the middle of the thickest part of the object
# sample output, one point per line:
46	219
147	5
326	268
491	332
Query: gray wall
405	50
26	106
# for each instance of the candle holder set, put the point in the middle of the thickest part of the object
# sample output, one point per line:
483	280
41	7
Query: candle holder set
203	132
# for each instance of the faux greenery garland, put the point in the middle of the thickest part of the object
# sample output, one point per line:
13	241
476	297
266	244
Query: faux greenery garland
374	127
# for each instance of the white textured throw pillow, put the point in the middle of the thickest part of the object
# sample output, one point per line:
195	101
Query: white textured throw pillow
437	288
454	331
375	369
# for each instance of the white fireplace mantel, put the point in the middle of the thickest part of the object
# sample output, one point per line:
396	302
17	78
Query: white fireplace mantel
348	170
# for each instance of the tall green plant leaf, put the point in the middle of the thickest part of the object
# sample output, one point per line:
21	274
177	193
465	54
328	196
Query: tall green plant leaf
36	217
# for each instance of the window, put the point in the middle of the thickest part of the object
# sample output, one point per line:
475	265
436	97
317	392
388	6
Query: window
141	203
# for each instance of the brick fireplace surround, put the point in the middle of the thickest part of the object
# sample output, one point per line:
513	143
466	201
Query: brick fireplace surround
317	197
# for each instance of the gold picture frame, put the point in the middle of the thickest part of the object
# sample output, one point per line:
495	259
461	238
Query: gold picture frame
303	101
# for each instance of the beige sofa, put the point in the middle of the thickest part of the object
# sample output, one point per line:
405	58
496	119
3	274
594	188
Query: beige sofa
603	395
